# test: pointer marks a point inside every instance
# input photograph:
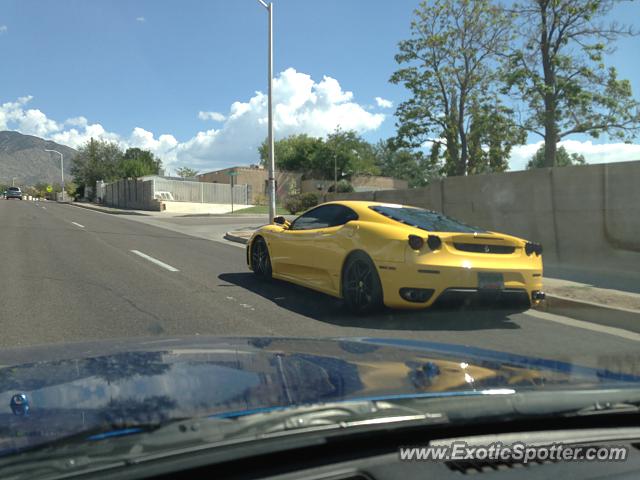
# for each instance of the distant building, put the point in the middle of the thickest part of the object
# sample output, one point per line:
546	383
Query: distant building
257	179
287	182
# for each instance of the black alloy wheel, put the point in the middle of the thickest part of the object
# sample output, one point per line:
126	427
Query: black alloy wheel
260	260
361	288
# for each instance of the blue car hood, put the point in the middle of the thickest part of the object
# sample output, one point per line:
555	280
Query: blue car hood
69	389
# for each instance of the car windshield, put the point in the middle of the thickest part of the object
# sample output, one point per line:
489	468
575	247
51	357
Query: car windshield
423	219
225	208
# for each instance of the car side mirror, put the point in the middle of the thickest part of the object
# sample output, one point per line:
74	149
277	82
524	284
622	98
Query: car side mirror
280	220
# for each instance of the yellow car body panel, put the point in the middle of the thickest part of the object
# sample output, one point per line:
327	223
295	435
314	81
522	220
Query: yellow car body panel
315	258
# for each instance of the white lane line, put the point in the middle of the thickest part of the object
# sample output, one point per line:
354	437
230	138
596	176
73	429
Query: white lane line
594	327
156	261
78	225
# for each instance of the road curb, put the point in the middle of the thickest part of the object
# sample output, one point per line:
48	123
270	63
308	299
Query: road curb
608	315
232	237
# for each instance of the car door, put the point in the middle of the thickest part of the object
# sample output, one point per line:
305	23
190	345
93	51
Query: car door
294	252
331	246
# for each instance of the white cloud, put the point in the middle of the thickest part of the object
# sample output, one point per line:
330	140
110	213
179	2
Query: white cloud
301	106
141	19
593	153
215	116
384	103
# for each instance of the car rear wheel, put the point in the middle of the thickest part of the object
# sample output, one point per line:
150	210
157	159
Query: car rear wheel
260	260
361	287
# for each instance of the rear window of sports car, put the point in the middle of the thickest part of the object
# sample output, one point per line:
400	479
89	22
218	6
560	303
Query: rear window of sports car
424	219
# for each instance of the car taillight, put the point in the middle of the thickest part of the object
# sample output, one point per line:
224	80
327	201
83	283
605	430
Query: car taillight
434	242
533	247
416	242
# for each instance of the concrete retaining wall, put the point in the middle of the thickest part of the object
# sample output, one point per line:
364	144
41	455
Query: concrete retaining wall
133	194
584	215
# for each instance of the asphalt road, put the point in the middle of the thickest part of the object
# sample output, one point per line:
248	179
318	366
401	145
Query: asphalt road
71	274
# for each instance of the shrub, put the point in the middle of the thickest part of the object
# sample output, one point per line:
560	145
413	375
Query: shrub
300	202
260	199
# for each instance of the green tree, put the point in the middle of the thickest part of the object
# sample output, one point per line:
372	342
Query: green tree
293	153
563	159
560	75
186	172
344	152
448	65
492	134
317	157
97	160
406	164
137	163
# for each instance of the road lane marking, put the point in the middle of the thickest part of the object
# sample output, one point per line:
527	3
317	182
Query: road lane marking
78	225
594	327
156	261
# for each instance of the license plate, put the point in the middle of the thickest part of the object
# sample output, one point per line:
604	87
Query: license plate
490	281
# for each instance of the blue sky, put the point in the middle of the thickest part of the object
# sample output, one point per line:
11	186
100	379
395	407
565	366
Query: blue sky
110	67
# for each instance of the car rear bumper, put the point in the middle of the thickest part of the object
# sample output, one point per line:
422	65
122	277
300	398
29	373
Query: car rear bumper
457	285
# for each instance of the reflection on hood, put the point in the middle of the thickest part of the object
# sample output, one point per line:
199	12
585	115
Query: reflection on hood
115	385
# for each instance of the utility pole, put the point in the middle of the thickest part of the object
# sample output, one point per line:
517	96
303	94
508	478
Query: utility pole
272	181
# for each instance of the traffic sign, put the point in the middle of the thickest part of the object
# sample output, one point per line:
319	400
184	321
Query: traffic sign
49	189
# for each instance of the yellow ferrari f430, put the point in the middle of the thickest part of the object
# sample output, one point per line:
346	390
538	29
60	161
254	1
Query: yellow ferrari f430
372	254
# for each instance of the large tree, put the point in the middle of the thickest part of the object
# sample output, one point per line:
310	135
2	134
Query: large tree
97	160
406	164
293	153
347	153
450	66
104	160
318	157
560	74
492	134
137	163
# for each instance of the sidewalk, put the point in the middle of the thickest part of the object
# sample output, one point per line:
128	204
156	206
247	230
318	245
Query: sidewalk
584	301
113	211
150	213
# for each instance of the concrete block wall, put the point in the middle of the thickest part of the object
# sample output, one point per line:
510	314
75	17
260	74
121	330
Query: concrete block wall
133	194
583	215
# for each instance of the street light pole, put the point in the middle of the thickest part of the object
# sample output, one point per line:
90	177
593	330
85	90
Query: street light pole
272	167
61	168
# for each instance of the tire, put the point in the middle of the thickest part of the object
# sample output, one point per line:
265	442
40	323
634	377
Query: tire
260	259
361	287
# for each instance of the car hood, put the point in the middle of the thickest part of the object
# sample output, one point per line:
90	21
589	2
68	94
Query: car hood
82	387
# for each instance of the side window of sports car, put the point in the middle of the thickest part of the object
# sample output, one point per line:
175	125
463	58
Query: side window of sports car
323	217
344	215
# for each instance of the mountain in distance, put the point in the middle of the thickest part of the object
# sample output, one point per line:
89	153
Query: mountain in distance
23	158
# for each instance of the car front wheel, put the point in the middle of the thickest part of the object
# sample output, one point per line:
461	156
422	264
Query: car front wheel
361	287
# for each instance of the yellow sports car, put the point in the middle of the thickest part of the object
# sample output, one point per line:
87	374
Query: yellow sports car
370	254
